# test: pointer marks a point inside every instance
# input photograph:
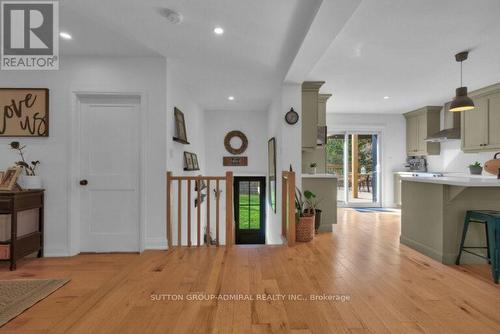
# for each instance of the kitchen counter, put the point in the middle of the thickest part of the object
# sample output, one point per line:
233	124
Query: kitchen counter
459	181
318	176
433	211
324	186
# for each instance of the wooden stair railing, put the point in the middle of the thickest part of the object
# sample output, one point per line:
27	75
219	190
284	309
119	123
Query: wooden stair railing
228	179
288	207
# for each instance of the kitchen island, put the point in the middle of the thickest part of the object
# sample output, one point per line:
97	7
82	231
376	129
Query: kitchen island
433	211
324	186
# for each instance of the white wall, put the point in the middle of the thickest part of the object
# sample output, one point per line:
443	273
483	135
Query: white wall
453	160
178	96
252	124
288	149
162	85
217	125
145	75
393	143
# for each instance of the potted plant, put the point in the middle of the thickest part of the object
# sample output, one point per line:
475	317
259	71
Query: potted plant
476	168
304	218
30	179
312	202
313	167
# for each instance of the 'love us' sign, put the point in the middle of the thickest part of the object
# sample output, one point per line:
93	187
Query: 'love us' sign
24	112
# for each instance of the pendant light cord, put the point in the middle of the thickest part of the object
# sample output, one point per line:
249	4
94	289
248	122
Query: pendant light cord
461	73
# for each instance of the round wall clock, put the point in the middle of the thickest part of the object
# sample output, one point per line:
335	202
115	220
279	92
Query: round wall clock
292	117
229	146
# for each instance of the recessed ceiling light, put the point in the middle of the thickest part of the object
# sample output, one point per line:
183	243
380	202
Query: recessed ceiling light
65	35
387	97
230	98
218	31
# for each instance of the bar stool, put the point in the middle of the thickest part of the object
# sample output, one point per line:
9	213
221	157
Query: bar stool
491	221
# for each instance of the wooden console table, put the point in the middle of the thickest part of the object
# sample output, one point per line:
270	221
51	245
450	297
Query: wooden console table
12	202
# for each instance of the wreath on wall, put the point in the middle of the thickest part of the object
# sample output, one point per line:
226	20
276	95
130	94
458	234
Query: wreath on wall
236	150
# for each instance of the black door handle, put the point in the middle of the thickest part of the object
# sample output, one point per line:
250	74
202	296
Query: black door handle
84	182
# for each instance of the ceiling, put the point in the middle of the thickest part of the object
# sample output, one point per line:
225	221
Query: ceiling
364	50
248	62
405	50
92	37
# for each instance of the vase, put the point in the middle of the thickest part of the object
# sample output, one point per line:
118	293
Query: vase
304	228
30	182
317	219
476	170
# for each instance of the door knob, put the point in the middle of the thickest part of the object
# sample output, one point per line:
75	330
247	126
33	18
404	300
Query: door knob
84	182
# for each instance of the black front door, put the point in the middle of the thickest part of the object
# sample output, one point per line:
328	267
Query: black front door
250	209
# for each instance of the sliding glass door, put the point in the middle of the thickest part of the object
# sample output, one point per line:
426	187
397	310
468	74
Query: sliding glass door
354	158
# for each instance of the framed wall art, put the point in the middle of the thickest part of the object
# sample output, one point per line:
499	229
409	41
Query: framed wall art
229	145
271	172
180	127
9	178
235	161
24	112
190	161
194	157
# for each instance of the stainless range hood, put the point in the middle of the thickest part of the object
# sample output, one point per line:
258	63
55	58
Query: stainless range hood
450	129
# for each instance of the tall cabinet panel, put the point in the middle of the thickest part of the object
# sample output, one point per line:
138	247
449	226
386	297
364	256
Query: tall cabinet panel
411	134
318	153
420	124
474	125
310	92
494	120
422	132
481	125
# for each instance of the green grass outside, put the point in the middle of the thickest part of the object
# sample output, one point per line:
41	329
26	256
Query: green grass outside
252	216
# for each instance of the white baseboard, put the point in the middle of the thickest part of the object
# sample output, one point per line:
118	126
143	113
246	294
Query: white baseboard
47	252
156	243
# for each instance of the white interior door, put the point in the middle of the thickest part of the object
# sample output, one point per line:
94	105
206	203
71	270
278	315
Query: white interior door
109	168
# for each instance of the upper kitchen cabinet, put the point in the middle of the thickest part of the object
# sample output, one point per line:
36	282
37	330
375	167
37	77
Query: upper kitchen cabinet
481	125
322	98
310	100
420	124
494	120
474	127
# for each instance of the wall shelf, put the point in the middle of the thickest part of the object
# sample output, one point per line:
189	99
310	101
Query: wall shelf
179	140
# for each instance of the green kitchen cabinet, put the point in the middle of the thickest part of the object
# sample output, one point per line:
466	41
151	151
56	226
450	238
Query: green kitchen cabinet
474	126
481	125
420	124
310	101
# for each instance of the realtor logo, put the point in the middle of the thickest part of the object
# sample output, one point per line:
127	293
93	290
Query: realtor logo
29	35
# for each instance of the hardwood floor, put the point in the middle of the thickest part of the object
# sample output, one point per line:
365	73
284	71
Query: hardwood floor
392	288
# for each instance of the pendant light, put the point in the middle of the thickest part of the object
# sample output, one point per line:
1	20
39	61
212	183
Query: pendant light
461	102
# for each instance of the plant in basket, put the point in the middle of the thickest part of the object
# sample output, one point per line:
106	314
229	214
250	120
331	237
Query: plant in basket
304	215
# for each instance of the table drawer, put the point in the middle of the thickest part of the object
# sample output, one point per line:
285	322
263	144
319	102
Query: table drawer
5	204
28	201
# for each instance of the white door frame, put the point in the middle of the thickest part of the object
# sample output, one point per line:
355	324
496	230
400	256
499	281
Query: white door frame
74	164
379	131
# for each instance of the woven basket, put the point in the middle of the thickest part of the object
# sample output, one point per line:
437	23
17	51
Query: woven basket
304	229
